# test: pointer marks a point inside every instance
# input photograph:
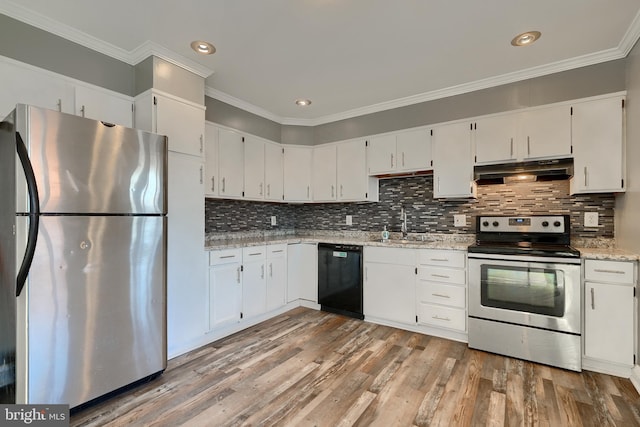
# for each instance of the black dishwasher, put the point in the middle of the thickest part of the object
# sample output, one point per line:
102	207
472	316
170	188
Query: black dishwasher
340	279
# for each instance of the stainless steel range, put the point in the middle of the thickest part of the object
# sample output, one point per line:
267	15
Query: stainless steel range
524	290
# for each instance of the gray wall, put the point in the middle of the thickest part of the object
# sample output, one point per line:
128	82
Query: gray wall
236	118
583	82
300	135
628	204
39	48
177	81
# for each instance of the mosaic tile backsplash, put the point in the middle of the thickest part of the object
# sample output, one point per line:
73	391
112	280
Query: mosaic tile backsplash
424	214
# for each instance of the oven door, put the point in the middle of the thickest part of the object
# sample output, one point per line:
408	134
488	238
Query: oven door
532	291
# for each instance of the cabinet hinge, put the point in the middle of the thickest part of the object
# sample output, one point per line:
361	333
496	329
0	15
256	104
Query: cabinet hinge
572	111
431	132
634	359
622	183
283	151
623	103
243	194
133	108
475	159
470	126
431	162
241	315
366	143
416	270
155	101
572	149
416	319
242	268
243	139
634	292
366	195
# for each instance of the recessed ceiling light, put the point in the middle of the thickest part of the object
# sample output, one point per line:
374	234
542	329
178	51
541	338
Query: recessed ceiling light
202	47
303	102
525	39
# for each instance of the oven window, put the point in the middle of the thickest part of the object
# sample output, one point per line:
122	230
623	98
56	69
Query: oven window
531	290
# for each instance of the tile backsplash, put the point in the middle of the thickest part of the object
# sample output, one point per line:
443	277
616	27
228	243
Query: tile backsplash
424	214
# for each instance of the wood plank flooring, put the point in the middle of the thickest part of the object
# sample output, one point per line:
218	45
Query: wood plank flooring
310	368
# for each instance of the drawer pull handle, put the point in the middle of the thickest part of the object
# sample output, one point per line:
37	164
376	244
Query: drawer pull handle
441	318
444	276
440	259
255	253
227	256
278	251
441	295
598	270
593	300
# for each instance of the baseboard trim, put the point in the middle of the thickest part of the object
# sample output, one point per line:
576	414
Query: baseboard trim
609	368
635	377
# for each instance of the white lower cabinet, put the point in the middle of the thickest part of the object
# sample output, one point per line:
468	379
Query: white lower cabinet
276	276
442	289
254	281
389	284
225	287
302	272
609	311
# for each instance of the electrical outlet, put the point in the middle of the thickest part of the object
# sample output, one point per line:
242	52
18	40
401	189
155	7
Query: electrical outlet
460	220
349	220
274	220
591	219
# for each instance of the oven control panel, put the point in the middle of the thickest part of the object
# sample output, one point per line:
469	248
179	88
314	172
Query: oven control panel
523	224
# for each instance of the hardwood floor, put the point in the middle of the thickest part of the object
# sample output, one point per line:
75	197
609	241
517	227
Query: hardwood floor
310	368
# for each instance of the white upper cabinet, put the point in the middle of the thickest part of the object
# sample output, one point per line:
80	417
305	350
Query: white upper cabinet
598	141
324	172
104	106
297	173
452	161
546	132
182	122
495	139
23	85
407	151
230	164
273	169
354	184
254	187
211	181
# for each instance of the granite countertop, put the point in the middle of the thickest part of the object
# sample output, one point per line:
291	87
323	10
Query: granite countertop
589	248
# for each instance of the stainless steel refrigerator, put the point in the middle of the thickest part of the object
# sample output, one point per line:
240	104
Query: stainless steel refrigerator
82	257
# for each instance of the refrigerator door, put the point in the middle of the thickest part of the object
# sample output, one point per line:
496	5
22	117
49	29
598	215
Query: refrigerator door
95	307
86	166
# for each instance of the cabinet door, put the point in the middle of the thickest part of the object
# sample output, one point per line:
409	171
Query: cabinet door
273	165
609	322
324	173
276	276
254	288
353	180
297	173
389	292
253	168
230	164
452	163
413	150
495	139
302	272
225	295
547	132
104	106
186	268
381	154
182	123
22	85
211	182
597	145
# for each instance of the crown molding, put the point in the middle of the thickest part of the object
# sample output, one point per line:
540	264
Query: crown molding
133	57
243	105
631	36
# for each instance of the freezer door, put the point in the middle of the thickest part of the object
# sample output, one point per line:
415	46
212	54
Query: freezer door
85	166
95	306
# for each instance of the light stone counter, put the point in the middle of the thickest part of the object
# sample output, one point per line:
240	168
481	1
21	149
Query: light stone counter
611	254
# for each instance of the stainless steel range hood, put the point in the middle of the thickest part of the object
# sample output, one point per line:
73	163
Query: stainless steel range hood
541	170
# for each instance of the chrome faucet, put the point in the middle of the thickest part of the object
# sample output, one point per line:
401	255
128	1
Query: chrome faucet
403	226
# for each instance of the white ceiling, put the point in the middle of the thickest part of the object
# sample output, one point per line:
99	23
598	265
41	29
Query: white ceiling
348	56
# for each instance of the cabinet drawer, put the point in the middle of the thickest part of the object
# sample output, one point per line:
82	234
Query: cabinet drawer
445	275
443	258
225	256
254	252
277	251
609	271
398	256
439	293
444	317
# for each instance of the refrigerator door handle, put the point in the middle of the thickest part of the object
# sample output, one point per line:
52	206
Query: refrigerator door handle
34	214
